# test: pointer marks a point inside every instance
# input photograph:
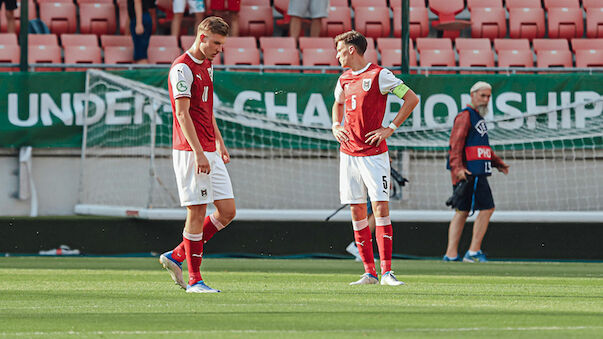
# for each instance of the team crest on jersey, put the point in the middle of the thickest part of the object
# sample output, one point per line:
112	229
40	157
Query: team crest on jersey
210	71
481	127
366	84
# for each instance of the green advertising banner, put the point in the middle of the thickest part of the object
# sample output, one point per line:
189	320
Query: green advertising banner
46	109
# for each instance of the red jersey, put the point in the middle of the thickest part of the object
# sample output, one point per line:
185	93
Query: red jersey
193	78
365	95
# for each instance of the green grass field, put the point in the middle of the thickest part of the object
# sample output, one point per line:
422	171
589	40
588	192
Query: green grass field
134	297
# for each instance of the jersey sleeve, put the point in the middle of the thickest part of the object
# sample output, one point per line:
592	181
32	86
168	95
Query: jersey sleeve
387	81
181	78
339	96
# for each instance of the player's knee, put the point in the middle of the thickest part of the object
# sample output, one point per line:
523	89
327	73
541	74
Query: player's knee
228	214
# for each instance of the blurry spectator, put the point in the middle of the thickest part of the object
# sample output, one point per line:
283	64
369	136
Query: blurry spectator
229	11
196	7
314	10
9	7
141	26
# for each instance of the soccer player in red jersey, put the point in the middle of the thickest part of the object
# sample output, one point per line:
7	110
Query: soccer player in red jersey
360	96
199	154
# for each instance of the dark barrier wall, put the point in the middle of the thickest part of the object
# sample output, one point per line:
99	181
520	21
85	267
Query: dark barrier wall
108	236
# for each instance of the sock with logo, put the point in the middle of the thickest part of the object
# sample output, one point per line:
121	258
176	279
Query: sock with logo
384	235
364	242
194	253
211	225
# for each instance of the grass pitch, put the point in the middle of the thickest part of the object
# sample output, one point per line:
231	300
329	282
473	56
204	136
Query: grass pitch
134	297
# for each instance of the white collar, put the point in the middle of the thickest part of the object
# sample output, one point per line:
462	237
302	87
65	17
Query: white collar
362	70
194	59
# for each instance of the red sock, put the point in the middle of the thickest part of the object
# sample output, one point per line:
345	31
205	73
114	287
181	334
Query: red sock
211	226
179	253
194	253
384	234
364	242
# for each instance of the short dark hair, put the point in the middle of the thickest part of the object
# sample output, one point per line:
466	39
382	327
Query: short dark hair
215	25
353	38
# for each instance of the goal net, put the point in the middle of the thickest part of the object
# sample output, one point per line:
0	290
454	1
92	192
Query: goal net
284	170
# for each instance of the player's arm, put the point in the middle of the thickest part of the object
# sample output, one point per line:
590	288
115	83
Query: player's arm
458	135
339	132
388	83
220	146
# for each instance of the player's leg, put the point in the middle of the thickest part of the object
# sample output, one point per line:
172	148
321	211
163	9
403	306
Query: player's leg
223	200
370	217
454	235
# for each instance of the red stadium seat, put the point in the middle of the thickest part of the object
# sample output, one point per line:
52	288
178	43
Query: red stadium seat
256	21
163	41
368	3
42	39
472	44
255	2
488	22
247	42
412	3
281	57
336	3
9	54
319	57
391	53
548	4
418	21
514	53
93	1
313	42
119	54
578	44
59	16
9	39
471	4
97	18
594	22
372	21
78	40
241	56
435	52
186	41
269	42
31	14
338	21
476	58
389	43
82	55
523	4
51	1
550	45
163	55
554	58
588	4
434	43
511	44
589	58
446	10
371	56
526	23
116	40
565	22
40	54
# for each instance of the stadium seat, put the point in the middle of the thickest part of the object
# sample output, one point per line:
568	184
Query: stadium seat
241	56
336	3
565	22
186	41
240	42
9	39
9	54
41	54
269	42
578	44
163	55
338	21
476	58
548	4
319	57
589	58
471	4
42	39
371	56
411	3
255	2
511	44
368	3
59	16
372	21
550	45
488	22
82	55
436	52
391	53
78	40
481	44
433	43
526	23
97	18
446	10
119	54
163	41
554	58
315	42
594	22
93	1
31	14
51	1
523	4
514	53
116	40
389	43
256	21
281	57
418	21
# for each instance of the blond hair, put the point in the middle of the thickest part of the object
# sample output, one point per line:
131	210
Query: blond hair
215	25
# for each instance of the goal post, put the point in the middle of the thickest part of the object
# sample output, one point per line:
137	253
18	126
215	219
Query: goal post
284	170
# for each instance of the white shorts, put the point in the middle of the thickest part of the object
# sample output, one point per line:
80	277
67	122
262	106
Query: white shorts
359	175
194	6
199	189
311	9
